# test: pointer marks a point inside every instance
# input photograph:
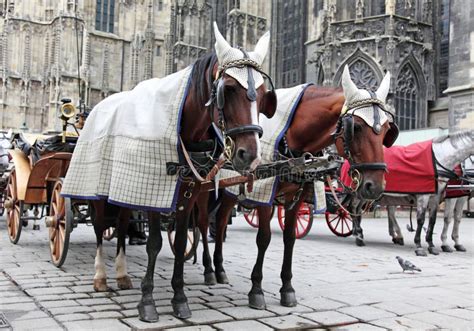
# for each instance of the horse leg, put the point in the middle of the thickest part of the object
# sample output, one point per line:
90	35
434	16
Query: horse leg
448	214
393	227
100	277
183	213
123	279
287	292
256	297
146	307
433	210
420	220
222	216
460	202
203	224
358	232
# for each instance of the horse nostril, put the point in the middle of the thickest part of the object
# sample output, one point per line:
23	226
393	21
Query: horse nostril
242	154
369	186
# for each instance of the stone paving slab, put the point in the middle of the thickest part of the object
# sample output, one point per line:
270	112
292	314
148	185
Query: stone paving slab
403	323
338	285
241	325
288	322
101	324
165	321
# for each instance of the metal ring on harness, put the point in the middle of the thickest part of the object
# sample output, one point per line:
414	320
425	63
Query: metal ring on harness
229	146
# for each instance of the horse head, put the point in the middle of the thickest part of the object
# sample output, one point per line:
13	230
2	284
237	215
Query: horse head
239	95
364	127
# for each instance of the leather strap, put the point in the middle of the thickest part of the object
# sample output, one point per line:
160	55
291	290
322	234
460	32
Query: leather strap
245	129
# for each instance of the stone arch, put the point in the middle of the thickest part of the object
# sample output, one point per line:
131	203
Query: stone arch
365	72
410	95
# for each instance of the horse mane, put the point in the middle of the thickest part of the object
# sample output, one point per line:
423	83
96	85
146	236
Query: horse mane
199	80
454	136
323	91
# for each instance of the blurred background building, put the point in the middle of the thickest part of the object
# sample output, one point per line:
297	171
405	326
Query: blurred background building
427	45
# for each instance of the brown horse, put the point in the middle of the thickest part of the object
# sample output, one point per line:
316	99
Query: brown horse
216	95
320	111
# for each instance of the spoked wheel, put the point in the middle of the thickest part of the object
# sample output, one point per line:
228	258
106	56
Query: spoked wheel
251	216
304	220
60	223
191	244
14	209
339	223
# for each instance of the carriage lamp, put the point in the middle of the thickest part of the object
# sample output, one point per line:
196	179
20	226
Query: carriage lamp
67	112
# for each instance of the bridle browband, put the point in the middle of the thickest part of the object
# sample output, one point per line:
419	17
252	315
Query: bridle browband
217	99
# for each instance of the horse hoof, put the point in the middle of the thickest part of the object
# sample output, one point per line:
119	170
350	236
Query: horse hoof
100	285
460	248
433	250
360	242
210	279
147	313
257	301
398	241
446	249
181	310
124	283
222	277
420	252
288	299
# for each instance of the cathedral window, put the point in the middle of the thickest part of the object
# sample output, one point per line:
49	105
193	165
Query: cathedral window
407	100
104	15
363	75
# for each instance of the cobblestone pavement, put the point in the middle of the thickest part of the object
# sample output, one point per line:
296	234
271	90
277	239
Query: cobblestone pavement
338	285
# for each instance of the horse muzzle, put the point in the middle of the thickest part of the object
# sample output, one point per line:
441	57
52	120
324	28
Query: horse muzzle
370	190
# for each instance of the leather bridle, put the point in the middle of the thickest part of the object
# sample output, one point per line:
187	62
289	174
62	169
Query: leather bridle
345	131
217	99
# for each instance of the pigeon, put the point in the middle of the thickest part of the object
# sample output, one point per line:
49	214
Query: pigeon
407	265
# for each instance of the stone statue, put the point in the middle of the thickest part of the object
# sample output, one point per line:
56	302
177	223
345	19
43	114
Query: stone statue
390	7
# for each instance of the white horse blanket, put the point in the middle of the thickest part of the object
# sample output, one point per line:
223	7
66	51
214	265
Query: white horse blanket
273	131
126	142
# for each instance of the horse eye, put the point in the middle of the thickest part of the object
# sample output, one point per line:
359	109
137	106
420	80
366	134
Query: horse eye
357	127
230	88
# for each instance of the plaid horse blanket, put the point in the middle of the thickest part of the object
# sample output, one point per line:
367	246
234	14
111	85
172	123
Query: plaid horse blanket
410	169
273	131
126	142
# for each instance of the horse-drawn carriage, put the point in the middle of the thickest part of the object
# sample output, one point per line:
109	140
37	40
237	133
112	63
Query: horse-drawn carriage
34	186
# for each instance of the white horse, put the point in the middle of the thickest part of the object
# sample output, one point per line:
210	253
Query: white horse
449	151
453	208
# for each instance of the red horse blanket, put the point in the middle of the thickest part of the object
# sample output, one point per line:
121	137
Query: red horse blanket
456	193
410	168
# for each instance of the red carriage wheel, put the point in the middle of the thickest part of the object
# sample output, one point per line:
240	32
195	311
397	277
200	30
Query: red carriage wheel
14	209
339	223
251	216
60	224
304	219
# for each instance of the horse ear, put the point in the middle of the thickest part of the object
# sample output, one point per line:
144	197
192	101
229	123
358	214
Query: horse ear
382	91
221	46
269	104
350	89
261	48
